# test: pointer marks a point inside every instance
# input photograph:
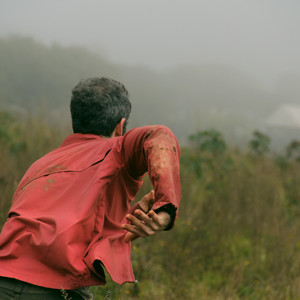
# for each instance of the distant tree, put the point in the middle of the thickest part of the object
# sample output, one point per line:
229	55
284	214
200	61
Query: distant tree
260	143
293	150
209	140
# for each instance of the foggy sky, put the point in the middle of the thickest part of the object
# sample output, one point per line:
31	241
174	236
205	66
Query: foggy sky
259	37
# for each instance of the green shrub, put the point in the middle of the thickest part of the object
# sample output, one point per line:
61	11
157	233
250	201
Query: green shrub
260	143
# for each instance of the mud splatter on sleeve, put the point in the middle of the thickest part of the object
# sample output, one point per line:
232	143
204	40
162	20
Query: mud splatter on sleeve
162	153
155	149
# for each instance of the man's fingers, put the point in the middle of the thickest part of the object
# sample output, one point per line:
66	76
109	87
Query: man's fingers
146	219
134	230
142	225
162	219
129	237
147	201
154	216
139	226
149	196
141	215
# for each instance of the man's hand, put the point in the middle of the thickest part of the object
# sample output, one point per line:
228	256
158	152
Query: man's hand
144	223
147	202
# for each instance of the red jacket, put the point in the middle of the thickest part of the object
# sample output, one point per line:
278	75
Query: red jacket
68	209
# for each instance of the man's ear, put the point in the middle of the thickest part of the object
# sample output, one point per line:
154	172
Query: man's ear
119	128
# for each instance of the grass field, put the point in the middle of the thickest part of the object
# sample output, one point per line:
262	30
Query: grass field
238	231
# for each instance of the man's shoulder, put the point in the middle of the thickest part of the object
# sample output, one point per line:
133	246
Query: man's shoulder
136	138
150	129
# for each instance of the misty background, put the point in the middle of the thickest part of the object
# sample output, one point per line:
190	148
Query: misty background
191	65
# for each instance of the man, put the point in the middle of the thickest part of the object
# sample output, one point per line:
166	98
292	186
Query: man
71	212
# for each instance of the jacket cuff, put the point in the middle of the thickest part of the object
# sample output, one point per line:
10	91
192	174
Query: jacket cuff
171	210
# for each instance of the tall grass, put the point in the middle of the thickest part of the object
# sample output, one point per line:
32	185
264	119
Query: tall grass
22	142
238	231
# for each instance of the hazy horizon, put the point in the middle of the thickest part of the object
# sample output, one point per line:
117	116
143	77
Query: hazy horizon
259	38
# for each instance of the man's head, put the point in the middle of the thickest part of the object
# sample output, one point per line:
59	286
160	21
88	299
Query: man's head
98	105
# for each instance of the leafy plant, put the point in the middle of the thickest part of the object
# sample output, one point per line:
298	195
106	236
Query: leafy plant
260	143
293	150
209	140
